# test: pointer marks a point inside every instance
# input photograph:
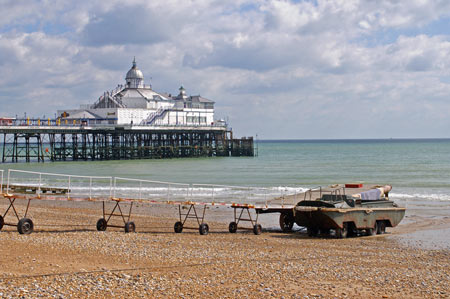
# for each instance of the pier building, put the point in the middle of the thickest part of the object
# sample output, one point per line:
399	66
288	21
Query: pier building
131	121
137	103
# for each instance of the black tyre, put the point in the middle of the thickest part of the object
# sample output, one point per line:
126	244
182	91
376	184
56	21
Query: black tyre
351	230
130	227
342	232
232	228
203	229
381	228
257	229
312	231
25	226
325	231
2	222
178	227
286	222
372	231
102	225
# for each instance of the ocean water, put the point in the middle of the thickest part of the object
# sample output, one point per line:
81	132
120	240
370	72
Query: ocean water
417	169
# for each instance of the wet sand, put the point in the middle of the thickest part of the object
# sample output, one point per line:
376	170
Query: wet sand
66	257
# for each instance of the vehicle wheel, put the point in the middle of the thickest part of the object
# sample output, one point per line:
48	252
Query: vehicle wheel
25	226
325	231
372	231
257	229
381	227
130	227
342	233
232	228
286	222
203	229
351	230
312	231
178	227
102	225
2	222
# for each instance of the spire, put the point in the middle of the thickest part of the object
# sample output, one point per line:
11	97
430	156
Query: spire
134	61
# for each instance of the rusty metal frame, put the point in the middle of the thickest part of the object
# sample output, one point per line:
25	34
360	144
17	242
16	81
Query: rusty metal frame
11	206
191	214
242	216
120	213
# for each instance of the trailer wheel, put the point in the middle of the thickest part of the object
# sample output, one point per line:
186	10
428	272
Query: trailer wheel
286	222
102	225
312	231
203	229
257	229
178	227
130	227
232	228
25	226
2	222
381	229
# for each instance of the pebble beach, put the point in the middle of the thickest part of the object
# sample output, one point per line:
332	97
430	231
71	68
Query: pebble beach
66	257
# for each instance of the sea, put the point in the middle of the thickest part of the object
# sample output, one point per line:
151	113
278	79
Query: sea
418	169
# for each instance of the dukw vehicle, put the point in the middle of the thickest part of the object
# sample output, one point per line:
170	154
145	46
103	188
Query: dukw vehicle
364	213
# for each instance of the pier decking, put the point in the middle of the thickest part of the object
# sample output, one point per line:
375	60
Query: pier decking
118	142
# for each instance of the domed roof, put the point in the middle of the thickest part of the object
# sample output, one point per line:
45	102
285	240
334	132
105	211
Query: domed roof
134	72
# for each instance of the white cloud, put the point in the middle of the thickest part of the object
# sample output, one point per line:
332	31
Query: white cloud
283	69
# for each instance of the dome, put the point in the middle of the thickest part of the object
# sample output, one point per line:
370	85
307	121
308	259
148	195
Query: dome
134	72
134	77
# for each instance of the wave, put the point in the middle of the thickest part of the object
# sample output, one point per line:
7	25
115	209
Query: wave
420	196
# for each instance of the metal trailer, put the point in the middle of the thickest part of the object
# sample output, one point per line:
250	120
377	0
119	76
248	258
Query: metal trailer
113	192
118	195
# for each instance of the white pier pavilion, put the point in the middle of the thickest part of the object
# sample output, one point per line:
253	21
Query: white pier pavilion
136	103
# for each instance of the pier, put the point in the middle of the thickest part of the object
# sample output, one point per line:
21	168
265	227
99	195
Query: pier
82	142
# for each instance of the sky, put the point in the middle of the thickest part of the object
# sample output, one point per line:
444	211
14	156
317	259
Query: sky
319	69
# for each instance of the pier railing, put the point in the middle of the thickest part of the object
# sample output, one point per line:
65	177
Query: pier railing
104	122
76	187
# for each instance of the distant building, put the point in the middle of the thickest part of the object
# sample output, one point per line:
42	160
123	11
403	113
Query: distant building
6	121
138	104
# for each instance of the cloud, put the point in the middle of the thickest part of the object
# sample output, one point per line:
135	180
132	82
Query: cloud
283	69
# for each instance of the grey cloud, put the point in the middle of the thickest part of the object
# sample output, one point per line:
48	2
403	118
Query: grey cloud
420	63
128	25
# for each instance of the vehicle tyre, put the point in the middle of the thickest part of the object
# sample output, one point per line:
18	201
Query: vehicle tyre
232	228
130	227
312	231
372	231
102	225
351	230
286	222
178	227
2	222
342	233
25	226
325	231
203	229
381	229
257	229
